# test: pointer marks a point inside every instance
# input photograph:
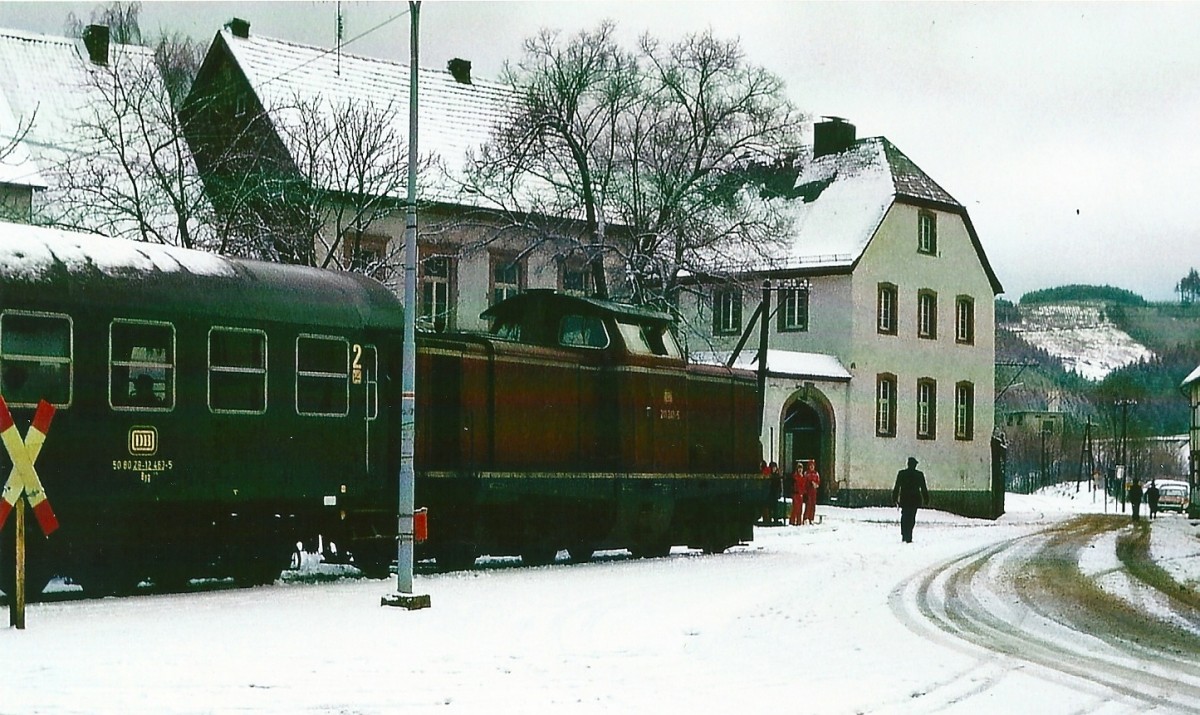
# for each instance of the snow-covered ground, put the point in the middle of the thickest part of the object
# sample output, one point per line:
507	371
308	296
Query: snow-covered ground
1082	336
831	618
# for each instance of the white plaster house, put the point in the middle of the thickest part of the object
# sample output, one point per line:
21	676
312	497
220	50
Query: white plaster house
890	353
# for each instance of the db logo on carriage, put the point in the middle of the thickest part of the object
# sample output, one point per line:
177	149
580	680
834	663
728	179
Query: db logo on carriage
143	441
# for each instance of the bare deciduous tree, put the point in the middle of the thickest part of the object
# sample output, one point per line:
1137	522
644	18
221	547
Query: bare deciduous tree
657	156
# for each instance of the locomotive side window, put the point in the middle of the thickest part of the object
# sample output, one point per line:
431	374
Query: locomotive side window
237	371
141	362
322	376
583	331
36	351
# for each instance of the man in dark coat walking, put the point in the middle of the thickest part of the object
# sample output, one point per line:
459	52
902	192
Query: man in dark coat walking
910	494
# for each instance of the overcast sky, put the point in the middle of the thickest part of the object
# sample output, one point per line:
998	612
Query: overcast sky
1068	130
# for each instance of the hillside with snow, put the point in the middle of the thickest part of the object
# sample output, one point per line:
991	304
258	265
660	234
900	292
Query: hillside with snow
1081	335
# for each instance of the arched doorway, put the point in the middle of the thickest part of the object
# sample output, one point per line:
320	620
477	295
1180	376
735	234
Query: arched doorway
806	432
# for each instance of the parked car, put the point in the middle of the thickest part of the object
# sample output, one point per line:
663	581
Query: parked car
1173	495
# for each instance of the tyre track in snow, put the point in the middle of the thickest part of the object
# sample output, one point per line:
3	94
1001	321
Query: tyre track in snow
1024	605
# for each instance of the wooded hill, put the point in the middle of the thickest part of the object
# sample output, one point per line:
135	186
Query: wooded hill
1030	380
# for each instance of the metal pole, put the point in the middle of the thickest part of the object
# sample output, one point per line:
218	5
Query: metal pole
763	342
408	404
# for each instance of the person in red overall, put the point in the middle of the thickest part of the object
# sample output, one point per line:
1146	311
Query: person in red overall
797	495
812	481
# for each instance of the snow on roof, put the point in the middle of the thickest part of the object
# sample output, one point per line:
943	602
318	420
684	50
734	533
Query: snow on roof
29	252
453	117
16	165
783	362
840	199
49	80
1192	377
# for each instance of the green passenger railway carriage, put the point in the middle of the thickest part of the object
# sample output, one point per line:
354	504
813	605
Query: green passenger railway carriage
212	412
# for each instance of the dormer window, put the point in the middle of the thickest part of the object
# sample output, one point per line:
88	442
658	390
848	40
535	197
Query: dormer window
927	233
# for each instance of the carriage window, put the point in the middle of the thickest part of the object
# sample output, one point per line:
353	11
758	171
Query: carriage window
237	371
141	362
582	331
35	358
322	376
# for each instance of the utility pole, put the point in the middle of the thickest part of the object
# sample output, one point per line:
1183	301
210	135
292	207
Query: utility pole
408	406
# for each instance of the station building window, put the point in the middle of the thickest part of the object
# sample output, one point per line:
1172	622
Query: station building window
927	232
141	359
576	279
926	408
886	309
964	320
964	411
885	405
927	314
793	310
366	253
36	358
727	311
237	371
322	376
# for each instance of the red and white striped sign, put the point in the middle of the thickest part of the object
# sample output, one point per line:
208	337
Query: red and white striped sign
24	478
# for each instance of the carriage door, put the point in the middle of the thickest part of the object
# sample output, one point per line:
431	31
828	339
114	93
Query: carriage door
364	379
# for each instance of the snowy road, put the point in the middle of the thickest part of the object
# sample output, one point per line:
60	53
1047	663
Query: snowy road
1030	605
975	617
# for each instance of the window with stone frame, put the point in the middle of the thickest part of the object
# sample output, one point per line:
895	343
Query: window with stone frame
927	233
927	316
436	299
575	278
886	309
727	311
792	314
964	320
964	411
885	405
926	408
507	277
366	253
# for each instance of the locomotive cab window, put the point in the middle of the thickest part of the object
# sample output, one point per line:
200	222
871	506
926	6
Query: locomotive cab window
237	371
322	376
141	361
649	340
36	352
582	331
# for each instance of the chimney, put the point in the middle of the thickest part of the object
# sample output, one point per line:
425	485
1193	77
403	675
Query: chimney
95	39
239	27
461	69
832	136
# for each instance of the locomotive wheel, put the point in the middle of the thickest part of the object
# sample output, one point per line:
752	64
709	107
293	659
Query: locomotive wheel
650	550
580	554
456	557
538	555
99	582
716	547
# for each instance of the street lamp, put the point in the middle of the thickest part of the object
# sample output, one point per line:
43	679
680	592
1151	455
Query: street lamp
408	405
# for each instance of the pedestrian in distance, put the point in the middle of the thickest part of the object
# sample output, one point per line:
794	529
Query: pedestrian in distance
765	471
812	482
910	493
1135	498
797	494
1152	499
